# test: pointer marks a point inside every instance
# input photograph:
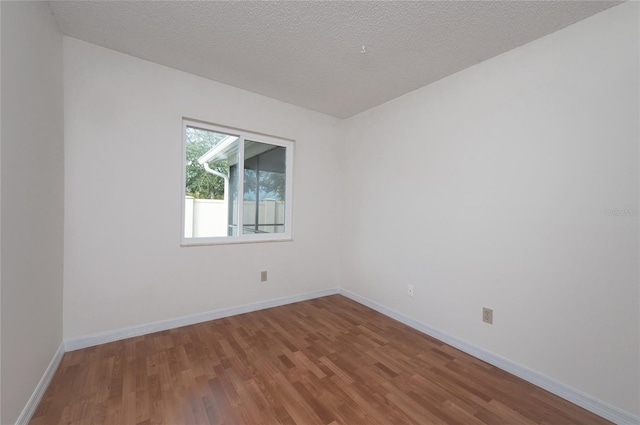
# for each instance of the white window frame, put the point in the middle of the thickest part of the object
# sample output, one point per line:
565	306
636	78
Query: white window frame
242	135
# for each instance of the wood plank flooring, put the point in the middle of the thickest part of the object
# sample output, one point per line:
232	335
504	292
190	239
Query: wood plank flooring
327	361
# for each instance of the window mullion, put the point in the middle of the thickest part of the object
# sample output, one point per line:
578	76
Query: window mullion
240	218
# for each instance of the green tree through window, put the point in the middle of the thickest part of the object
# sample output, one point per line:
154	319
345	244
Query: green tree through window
199	183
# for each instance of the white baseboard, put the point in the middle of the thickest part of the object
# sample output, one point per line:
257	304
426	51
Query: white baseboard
34	400
129	332
577	397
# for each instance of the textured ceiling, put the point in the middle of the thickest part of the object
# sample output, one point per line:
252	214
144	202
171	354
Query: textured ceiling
309	53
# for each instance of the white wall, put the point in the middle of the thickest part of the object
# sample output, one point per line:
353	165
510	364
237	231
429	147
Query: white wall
123	267
498	179
0	215
32	170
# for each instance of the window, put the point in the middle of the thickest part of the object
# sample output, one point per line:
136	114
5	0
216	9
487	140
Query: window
236	186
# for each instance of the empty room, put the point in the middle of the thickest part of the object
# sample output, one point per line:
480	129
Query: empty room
319	212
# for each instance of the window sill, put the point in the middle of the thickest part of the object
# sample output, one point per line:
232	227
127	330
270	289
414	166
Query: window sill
230	241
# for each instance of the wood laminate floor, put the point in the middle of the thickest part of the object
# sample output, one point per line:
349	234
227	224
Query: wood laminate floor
324	361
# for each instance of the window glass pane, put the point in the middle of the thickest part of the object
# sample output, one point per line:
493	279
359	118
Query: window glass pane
208	200
264	188
233	205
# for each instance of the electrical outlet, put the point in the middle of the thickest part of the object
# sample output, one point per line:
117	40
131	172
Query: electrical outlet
487	315
410	290
263	276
